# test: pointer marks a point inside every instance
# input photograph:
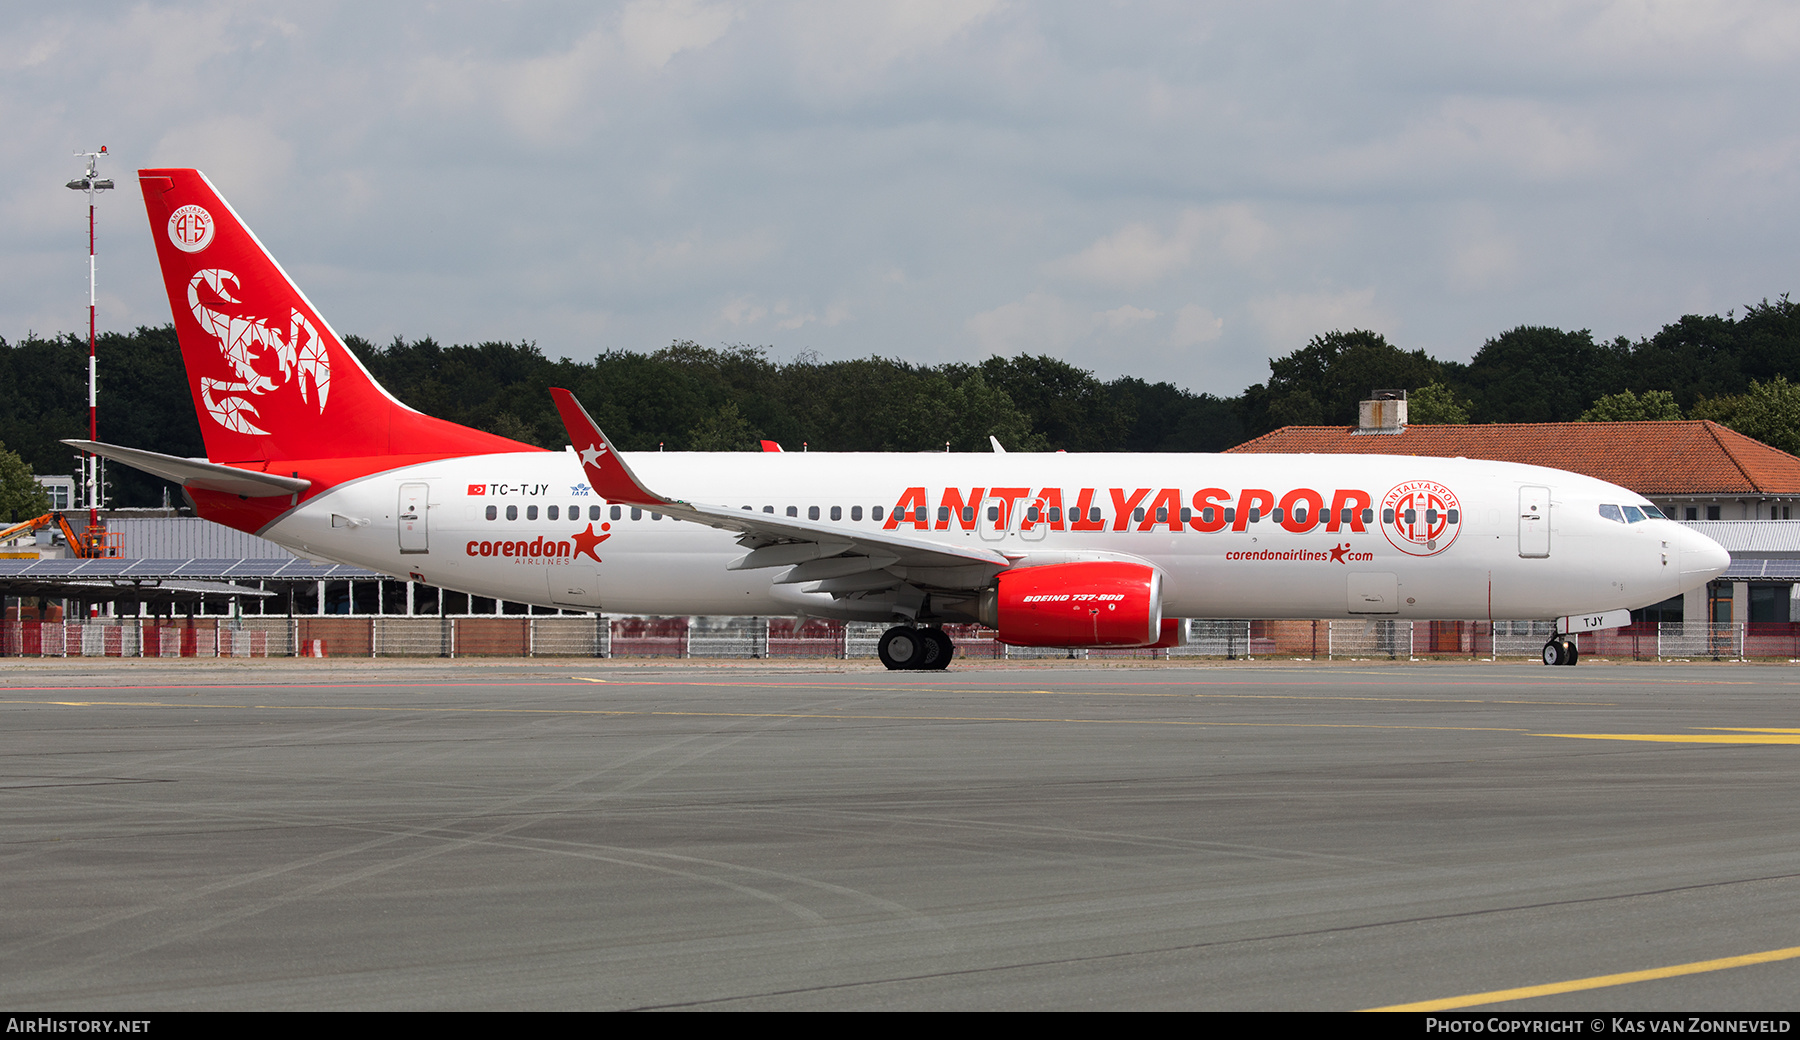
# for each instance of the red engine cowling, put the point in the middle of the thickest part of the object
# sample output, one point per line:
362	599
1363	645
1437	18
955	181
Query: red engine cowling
1102	603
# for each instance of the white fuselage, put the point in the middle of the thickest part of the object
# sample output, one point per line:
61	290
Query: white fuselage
1474	548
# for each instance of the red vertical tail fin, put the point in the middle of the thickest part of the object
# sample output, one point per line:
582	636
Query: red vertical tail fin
271	380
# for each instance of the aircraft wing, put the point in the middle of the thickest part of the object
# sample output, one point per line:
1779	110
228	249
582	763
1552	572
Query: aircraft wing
841	561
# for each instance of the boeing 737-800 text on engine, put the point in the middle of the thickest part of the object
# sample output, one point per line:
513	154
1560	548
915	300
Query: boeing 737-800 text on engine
305	449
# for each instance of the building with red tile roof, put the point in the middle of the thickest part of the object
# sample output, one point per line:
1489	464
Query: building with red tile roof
1693	470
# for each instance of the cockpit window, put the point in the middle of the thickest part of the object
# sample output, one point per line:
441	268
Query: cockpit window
1630	514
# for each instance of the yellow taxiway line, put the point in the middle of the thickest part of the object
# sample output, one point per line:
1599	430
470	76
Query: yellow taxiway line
1765	737
1596	982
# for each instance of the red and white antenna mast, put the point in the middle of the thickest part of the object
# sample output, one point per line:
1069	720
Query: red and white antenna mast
91	183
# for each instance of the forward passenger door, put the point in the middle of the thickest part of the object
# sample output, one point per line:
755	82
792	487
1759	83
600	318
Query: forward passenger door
1534	522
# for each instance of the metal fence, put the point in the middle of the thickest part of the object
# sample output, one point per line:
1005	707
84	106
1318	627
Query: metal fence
758	637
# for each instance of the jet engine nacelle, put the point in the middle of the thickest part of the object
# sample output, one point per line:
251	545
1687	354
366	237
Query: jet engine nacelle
1088	604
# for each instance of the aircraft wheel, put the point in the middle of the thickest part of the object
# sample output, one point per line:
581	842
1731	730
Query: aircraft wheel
939	649
1554	652
1574	653
902	648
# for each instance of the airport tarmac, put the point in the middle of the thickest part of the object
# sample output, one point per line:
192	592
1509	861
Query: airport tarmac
584	834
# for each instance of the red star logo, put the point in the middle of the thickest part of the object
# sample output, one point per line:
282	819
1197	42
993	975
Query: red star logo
587	541
1337	553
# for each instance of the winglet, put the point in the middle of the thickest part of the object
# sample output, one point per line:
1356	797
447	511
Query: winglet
606	471
770	446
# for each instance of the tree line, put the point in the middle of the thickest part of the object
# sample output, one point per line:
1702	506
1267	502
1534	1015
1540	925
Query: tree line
1732	368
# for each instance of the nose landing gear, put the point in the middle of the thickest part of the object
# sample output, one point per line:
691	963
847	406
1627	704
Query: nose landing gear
1561	651
915	648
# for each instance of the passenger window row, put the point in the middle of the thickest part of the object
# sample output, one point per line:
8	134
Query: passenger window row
1411	516
812	512
550	512
1033	514
1346	515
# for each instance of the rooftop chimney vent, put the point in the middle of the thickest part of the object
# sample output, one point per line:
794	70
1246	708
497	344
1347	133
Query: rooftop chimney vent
1383	412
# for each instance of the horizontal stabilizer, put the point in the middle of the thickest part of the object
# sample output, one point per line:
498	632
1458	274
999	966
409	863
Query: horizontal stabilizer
198	473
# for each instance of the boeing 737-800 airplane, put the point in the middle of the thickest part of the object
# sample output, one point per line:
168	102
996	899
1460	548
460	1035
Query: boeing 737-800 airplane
305	449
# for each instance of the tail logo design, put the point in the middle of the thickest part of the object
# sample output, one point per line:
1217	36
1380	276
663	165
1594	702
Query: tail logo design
191	229
263	358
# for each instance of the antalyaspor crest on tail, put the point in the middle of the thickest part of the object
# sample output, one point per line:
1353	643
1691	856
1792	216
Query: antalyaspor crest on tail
271	380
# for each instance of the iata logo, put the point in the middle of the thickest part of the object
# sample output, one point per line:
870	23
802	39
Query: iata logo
191	229
1421	517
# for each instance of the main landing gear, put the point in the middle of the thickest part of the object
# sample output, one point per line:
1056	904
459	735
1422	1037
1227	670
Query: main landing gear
915	648
1561	651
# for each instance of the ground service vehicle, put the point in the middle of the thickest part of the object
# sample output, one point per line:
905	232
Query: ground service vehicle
93	543
1050	549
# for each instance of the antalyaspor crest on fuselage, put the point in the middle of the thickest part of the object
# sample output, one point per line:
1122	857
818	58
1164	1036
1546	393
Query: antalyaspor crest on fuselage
1420	517
264	358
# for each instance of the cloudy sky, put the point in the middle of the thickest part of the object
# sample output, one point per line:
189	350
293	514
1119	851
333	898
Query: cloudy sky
1175	191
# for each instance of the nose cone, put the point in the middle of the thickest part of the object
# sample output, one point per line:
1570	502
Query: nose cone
1702	559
